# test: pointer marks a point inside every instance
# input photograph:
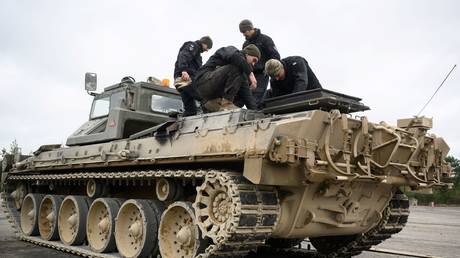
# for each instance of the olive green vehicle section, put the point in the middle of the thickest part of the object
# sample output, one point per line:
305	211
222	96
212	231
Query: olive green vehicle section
224	183
124	109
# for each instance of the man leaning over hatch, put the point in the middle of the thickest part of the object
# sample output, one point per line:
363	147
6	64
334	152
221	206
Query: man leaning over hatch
187	64
291	74
267	51
226	77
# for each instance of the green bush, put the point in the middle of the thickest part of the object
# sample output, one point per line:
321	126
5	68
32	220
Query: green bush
442	196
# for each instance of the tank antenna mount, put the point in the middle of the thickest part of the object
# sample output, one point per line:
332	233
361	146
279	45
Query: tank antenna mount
432	96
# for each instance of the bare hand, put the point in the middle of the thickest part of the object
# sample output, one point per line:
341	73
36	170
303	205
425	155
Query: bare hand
253	81
185	76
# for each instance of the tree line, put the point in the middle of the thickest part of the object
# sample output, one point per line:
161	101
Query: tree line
443	196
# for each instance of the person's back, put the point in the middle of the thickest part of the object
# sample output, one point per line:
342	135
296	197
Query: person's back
291	74
224	56
225	76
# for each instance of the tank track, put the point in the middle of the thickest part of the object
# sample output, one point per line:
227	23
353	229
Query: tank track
241	239
252	221
394	219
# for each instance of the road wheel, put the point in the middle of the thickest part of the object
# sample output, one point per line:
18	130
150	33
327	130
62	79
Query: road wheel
179	235
72	220
100	226
48	215
136	228
29	214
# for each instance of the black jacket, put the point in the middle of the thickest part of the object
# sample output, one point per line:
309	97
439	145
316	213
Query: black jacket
225	56
188	59
267	49
299	77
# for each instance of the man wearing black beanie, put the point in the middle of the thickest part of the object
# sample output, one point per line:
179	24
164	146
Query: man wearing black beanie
267	51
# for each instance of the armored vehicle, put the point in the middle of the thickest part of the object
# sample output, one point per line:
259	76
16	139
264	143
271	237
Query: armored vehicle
139	180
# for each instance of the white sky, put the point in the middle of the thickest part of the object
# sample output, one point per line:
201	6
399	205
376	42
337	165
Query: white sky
392	54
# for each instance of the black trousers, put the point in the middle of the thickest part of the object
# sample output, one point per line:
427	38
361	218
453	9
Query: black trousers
189	94
226	82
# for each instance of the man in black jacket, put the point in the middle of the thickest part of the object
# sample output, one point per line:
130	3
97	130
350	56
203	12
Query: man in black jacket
187	64
267	51
226	77
291	74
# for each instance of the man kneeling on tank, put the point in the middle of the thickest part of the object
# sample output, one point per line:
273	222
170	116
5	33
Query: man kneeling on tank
226	79
289	75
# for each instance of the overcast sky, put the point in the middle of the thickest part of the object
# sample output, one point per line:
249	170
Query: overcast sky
392	54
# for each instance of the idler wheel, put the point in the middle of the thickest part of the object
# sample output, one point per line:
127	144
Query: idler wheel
179	235
100	226
29	214
18	195
48	216
72	219
136	228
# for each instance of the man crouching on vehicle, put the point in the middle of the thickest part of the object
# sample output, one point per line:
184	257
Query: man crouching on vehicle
226	79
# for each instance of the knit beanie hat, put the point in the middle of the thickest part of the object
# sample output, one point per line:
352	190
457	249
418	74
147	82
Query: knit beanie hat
252	50
246	25
272	67
207	41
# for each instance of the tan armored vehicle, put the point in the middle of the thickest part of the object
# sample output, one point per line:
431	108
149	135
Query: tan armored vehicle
137	180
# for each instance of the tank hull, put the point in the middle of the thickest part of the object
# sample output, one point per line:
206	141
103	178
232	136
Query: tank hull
243	178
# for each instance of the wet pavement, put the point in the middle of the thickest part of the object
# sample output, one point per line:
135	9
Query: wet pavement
430	231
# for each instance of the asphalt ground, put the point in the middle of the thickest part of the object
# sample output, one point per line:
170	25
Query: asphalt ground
430	231
10	247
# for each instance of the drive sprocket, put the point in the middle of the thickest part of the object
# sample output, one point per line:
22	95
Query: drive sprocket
237	215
